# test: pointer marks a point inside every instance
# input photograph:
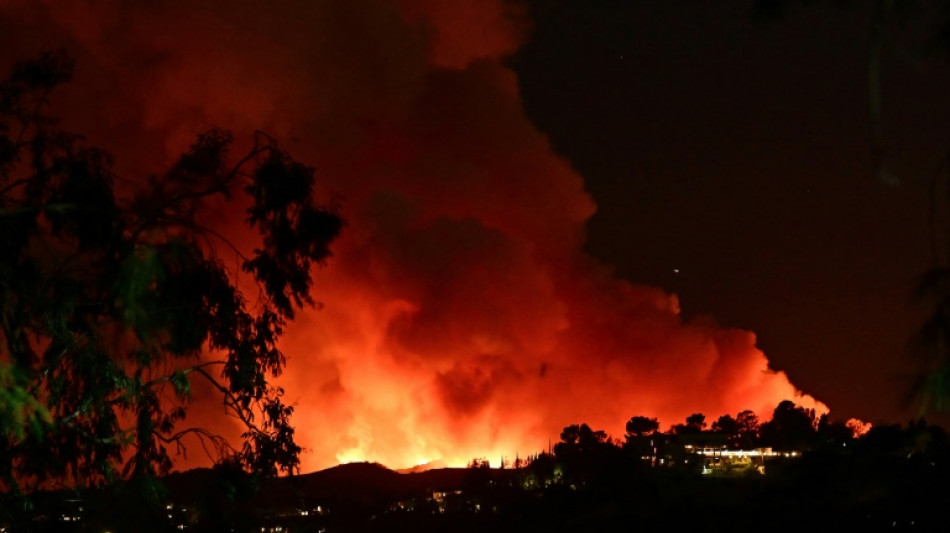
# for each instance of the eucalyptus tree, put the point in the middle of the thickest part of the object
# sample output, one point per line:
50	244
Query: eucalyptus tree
115	299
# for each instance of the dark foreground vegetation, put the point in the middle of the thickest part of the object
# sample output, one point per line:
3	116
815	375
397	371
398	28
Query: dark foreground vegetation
893	478
95	377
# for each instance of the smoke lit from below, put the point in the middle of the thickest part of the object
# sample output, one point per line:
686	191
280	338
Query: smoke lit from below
491	353
460	316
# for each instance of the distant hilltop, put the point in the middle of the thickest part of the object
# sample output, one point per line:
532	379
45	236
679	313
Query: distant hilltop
431	465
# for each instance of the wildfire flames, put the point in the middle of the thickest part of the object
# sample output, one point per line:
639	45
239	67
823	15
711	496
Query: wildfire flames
461	317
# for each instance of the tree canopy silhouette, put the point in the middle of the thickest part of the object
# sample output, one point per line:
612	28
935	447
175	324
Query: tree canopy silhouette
792	427
110	305
639	426
695	423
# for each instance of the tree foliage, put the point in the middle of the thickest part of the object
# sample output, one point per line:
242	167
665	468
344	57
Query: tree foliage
747	429
639	426
586	455
792	427
695	423
112	304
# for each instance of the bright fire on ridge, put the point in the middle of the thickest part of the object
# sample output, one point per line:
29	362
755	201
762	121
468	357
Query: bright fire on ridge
461	317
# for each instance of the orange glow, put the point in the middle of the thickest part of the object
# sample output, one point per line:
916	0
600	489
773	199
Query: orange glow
461	317
858	427
498	371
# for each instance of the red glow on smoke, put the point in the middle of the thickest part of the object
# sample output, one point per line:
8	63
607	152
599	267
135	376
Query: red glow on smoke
461	317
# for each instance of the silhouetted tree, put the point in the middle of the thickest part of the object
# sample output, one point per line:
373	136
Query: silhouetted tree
580	438
726	424
792	427
747	429
695	423
639	426
932	385
540	470
833	434
639	442
110	307
479	462
586	455
478	476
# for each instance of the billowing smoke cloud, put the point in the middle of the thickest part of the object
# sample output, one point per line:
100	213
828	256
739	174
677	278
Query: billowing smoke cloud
460	317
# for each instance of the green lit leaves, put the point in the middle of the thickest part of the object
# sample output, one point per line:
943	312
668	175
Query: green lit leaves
138	276
20	411
181	385
109	308
932	386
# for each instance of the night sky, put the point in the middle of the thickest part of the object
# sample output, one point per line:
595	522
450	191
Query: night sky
557	212
729	156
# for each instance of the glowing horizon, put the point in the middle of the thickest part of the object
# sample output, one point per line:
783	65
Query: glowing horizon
461	316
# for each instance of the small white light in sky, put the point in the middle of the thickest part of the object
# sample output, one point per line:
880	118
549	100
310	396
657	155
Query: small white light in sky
676	271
